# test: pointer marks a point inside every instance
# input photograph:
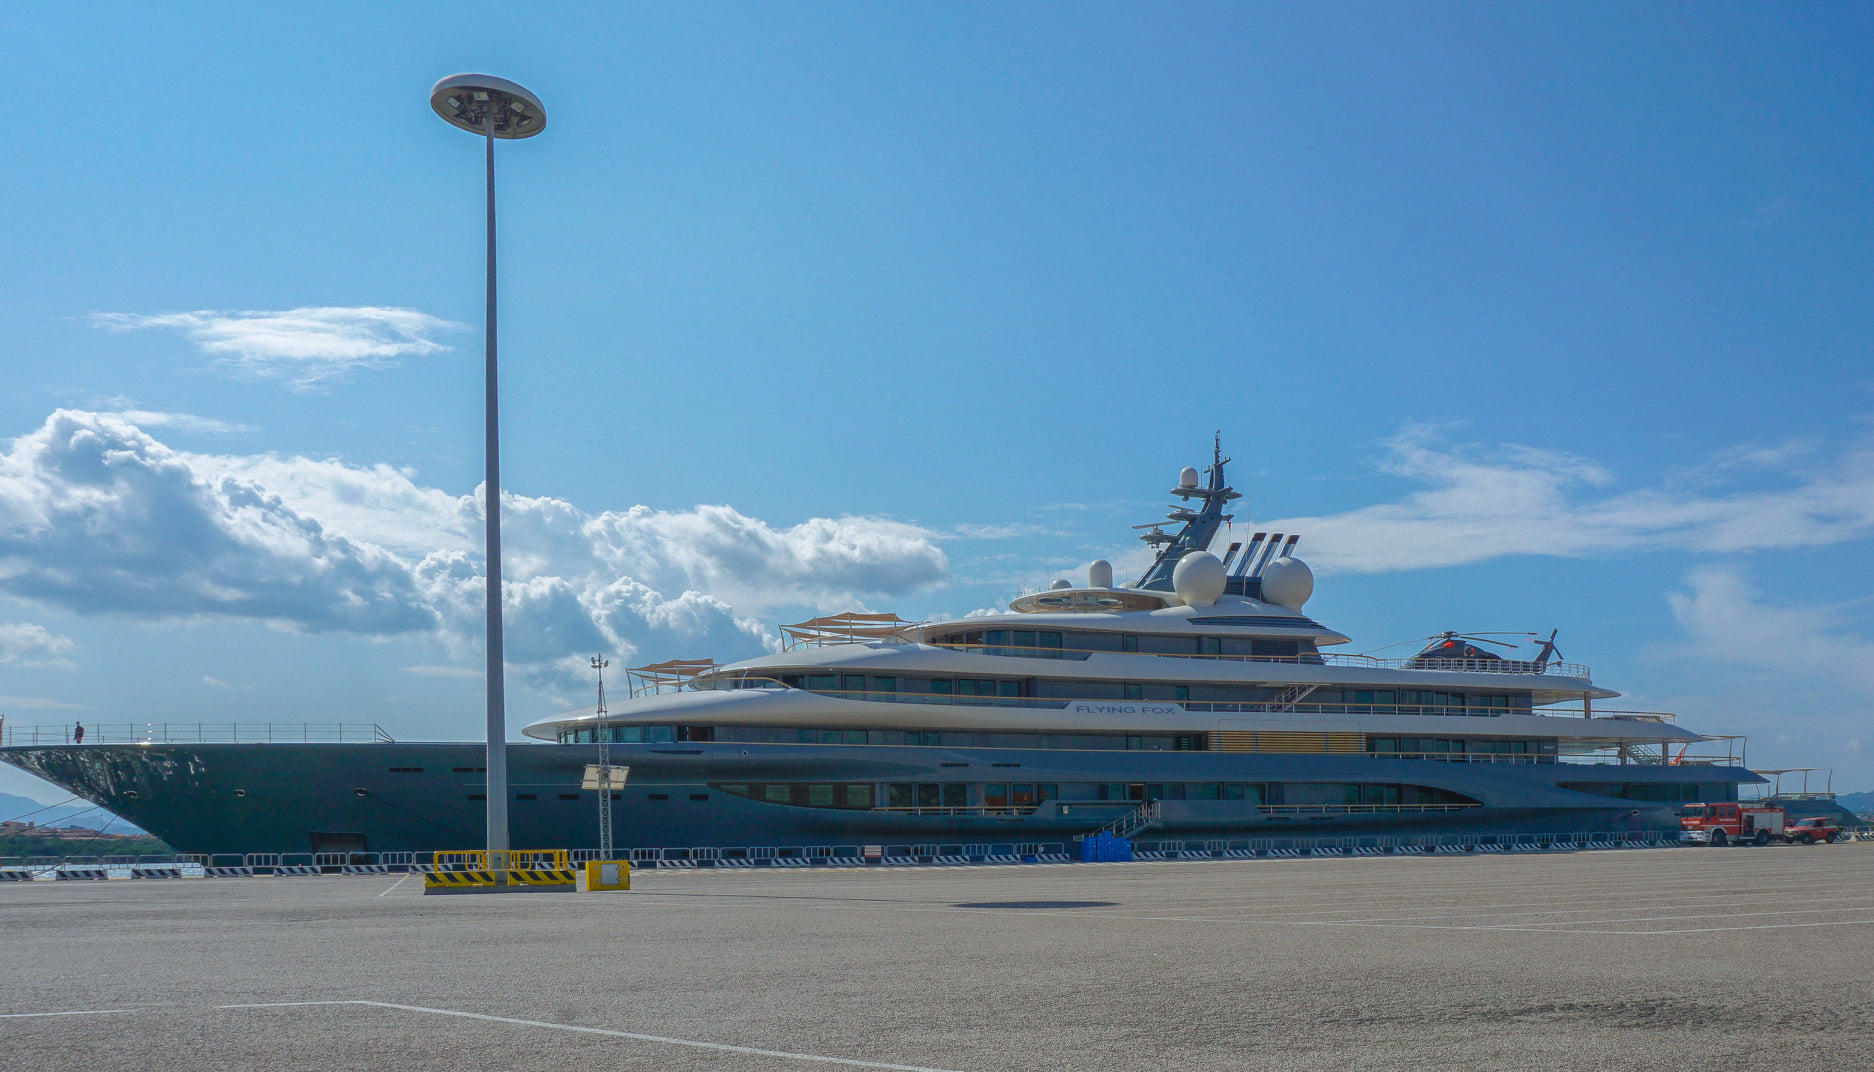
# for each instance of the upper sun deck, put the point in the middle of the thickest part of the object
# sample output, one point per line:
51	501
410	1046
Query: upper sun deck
1233	640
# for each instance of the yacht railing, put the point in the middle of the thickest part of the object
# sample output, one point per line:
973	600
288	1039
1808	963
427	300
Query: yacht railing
1273	705
1359	809
1469	666
195	733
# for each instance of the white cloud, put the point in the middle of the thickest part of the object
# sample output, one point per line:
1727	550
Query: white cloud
1512	500
1010	531
445	671
96	516
40	703
306	347
28	644
1726	621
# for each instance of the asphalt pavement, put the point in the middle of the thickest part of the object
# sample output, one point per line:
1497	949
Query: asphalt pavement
1685	958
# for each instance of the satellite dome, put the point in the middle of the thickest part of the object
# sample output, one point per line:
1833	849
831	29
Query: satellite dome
1062	583
1198	578
1287	581
1187	478
1100	574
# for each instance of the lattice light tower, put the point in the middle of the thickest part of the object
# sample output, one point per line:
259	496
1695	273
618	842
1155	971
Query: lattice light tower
604	765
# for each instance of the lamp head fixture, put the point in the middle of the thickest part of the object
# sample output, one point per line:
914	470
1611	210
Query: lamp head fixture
469	100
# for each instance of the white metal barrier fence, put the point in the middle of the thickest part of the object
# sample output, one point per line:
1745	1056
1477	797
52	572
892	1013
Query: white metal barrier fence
219	865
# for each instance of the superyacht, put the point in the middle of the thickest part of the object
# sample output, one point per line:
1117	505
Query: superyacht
1195	703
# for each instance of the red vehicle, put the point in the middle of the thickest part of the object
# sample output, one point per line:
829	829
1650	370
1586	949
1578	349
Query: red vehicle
1730	823
1810	831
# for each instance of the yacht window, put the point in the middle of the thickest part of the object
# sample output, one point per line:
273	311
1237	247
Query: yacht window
929	795
900	795
1203	791
1024	638
1183	694
1379	794
820	796
854	684
821	682
1274	648
775	793
1134	691
1210	645
1023	795
1048	640
939	687
995	795
884	684
1046	792
956	794
1129	642
1320	793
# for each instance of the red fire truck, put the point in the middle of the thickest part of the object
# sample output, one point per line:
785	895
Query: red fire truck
1730	824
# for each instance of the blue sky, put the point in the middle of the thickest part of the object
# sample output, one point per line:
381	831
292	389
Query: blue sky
1525	317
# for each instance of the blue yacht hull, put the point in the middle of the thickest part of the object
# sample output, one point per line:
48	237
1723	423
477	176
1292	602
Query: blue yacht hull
378	797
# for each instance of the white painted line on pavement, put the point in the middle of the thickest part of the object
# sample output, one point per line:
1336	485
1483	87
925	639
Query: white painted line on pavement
394	885
722	1046
78	1012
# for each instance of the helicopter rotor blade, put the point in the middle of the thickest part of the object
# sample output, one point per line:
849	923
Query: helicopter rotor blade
1479	637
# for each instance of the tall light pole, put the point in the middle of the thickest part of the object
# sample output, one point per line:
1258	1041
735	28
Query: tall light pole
494	108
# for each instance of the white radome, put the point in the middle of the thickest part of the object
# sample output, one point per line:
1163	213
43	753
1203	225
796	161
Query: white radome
1198	578
1187	478
1100	574
1062	583
1287	581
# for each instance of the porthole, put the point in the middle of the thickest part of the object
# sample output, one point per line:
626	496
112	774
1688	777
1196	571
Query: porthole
240	792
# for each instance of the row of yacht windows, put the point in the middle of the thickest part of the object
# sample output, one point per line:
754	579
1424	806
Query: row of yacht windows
1669	792
1043	644
1029	795
1137	742
1010	692
1541	748
1434	747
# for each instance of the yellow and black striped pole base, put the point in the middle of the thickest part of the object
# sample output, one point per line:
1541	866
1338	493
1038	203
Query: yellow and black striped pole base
518	879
